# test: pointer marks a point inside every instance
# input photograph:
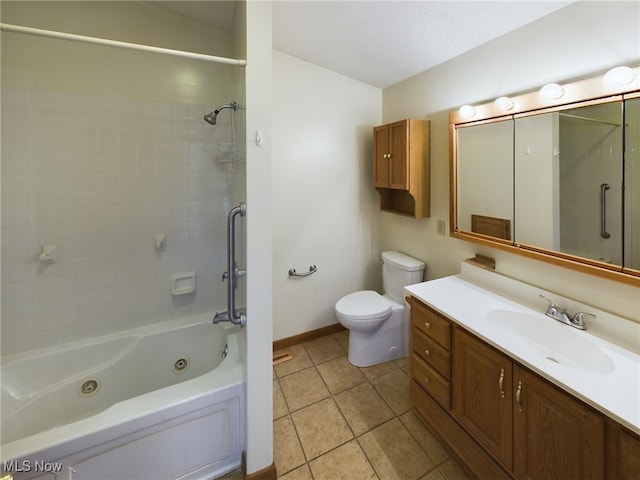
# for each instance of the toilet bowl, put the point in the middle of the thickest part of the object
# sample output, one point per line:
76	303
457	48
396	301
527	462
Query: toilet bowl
379	324
363	311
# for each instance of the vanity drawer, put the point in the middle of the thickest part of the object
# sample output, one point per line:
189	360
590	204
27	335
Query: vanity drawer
431	323
431	352
431	381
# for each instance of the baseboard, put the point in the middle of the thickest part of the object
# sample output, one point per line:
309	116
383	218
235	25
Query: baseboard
306	336
267	473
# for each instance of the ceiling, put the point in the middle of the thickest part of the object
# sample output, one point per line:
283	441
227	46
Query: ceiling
380	42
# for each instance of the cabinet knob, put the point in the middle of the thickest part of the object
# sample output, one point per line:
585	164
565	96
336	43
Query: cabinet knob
427	352
427	325
500	382
518	392
426	380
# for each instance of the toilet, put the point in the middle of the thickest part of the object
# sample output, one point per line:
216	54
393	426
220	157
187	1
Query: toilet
379	324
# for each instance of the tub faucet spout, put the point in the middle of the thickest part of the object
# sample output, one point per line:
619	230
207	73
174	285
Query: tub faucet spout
237	319
221	317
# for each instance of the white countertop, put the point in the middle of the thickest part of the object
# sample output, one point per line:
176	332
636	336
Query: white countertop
615	393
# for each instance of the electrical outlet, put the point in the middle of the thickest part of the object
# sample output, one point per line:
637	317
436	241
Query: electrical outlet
440	227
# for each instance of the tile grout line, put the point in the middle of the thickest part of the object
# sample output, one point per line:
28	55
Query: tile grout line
398	366
332	395
315	366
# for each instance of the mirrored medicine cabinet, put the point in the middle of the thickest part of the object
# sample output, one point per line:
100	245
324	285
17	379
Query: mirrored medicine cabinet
556	179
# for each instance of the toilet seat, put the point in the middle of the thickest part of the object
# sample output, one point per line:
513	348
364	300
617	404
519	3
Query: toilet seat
363	305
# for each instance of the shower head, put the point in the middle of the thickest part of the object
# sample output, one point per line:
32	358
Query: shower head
212	117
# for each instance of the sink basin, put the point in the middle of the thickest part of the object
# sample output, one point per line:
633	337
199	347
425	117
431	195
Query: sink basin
556	342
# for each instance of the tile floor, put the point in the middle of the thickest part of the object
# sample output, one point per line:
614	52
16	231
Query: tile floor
335	421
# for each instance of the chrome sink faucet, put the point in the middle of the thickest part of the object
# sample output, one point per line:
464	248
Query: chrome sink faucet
561	315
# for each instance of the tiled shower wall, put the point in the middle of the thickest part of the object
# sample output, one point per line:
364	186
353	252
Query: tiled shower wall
99	177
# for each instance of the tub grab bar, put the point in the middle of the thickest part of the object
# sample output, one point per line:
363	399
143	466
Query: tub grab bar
293	273
232	273
603	210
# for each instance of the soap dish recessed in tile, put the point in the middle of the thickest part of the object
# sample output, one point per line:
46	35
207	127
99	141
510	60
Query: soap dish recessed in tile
183	283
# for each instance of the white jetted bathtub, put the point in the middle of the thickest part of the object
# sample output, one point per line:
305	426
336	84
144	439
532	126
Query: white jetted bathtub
163	401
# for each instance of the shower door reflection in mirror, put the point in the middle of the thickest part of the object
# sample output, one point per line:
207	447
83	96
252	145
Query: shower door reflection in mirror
568	181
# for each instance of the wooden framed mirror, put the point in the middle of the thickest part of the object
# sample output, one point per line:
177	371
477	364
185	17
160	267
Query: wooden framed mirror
555	177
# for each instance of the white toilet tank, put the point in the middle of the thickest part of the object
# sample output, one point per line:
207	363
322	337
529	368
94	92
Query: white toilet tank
398	271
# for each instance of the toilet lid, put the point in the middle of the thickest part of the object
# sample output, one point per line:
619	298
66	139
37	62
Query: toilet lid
363	305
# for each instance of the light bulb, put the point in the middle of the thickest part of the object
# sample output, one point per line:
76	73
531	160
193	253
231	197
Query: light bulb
467	111
552	91
619	76
503	103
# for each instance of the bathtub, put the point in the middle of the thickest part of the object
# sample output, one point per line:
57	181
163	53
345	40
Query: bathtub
162	401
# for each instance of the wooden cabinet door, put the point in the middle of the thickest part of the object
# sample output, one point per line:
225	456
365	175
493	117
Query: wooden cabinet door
623	453
482	394
398	147
555	436
381	150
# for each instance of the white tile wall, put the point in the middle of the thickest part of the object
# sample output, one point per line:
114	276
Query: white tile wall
99	177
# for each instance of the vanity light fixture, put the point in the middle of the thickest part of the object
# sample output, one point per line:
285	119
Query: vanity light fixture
619	76
504	104
552	91
467	111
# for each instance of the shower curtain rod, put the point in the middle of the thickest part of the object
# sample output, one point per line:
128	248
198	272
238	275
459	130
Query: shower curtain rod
6	27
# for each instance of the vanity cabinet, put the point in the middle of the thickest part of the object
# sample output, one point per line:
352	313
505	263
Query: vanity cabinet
623	453
430	388
501	419
532	428
555	435
401	167
431	353
483	395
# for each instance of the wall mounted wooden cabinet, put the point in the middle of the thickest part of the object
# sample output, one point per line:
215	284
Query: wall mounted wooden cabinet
501	419
401	167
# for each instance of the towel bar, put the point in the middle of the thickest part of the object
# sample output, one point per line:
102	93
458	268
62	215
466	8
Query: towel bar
293	273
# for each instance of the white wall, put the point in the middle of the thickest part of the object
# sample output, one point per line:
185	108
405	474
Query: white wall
259	239
326	211
581	39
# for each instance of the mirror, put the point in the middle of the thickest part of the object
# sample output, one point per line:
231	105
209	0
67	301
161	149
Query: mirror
632	184
492	143
556	182
568	181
